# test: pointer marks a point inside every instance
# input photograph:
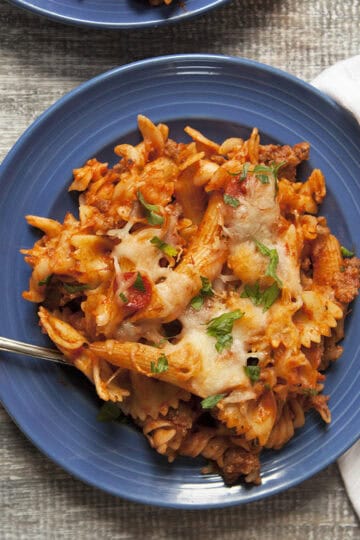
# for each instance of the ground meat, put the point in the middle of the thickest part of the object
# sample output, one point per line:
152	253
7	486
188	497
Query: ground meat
238	462
103	205
292	155
301	151
314	353
346	284
332	352
173	149
182	418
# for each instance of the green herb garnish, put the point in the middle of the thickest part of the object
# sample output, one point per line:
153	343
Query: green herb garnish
197	302
152	211
272	169
346	253
75	287
161	366
205	291
109	411
211	401
46	281
159	343
139	283
221	328
274	260
253	372
262	173
266	298
231	201
168	249
243	173
269	295
123	298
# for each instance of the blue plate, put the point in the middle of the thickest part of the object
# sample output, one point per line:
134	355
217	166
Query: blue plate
118	14
56	407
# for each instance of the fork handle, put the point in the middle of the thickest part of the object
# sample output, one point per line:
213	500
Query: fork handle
52	355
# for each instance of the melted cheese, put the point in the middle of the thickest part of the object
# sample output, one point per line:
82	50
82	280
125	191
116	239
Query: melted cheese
219	372
137	249
143	256
256	215
256	218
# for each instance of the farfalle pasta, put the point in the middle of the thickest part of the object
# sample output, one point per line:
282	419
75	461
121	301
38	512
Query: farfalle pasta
199	291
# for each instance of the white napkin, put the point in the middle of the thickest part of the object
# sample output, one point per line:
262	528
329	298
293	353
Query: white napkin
349	465
342	82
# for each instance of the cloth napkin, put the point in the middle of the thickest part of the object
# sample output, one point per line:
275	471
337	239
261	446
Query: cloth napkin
342	82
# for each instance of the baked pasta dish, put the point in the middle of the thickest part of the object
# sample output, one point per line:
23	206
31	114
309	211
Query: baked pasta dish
199	291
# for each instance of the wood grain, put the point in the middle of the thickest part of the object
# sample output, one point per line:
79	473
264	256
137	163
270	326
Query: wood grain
40	61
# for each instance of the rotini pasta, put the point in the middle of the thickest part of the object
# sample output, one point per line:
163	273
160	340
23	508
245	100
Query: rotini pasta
199	291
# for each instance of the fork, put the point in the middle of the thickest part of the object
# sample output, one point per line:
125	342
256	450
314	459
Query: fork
52	355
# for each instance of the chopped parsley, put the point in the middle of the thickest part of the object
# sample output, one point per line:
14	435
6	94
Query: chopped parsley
221	328
123	298
346	253
205	291
109	411
274	260
161	366
139	283
262	172
197	302
244	172
168	249
75	287
231	201
253	372
264	298
211	401
46	281
152	211
158	344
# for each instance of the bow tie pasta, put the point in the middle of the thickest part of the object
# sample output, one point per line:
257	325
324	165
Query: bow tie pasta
199	291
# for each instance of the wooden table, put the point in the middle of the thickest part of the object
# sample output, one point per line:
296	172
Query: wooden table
39	62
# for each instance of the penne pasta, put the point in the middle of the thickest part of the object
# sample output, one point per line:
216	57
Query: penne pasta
199	291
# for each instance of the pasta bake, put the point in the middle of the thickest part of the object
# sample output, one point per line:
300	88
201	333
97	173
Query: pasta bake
199	291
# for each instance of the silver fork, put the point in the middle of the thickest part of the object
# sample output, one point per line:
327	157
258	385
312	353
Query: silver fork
52	355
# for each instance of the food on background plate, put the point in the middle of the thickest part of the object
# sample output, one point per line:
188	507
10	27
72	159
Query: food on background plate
199	291
160	2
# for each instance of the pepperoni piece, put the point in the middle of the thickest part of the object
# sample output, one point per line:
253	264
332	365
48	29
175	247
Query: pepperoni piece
137	298
235	188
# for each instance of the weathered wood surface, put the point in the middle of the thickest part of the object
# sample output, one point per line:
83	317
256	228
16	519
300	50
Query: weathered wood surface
39	62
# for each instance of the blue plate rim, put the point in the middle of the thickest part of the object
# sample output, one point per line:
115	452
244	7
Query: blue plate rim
153	61
88	23
314	468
